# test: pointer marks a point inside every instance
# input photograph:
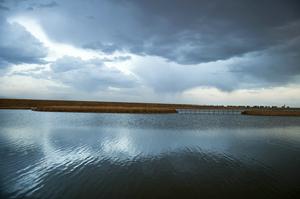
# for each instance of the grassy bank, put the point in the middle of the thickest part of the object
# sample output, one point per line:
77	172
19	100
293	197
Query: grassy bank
91	106
107	109
271	112
130	107
29	103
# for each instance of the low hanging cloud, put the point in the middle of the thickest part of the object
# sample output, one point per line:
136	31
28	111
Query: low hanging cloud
165	77
267	68
276	66
18	46
89	75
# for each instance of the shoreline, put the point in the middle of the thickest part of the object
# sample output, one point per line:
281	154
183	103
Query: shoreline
138	110
133	107
271	113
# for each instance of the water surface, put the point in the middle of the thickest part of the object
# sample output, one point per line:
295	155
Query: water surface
88	155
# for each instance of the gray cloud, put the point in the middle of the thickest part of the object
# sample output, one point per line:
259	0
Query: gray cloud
89	75
166	77
48	4
19	46
274	66
3	64
193	36
271	67
117	59
29	5
4	8
187	32
106	48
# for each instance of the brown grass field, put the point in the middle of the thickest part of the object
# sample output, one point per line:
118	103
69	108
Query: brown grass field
129	107
91	106
106	109
270	112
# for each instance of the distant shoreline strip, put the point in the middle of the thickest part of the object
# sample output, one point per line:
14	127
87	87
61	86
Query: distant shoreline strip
143	108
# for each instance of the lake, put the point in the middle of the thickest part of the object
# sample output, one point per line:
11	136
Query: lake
88	155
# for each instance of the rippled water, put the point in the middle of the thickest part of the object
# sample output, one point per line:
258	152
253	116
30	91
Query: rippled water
81	155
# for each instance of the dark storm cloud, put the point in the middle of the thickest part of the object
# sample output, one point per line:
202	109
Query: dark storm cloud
187	32
262	35
18	46
276	65
202	31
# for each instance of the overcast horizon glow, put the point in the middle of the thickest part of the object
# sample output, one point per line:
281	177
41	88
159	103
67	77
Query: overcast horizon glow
203	52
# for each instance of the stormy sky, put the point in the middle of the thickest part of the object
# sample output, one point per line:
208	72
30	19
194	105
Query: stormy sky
193	51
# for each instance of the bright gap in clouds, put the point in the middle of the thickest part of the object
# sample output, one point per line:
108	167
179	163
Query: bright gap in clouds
56	50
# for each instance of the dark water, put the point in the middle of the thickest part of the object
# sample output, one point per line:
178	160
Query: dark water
80	155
